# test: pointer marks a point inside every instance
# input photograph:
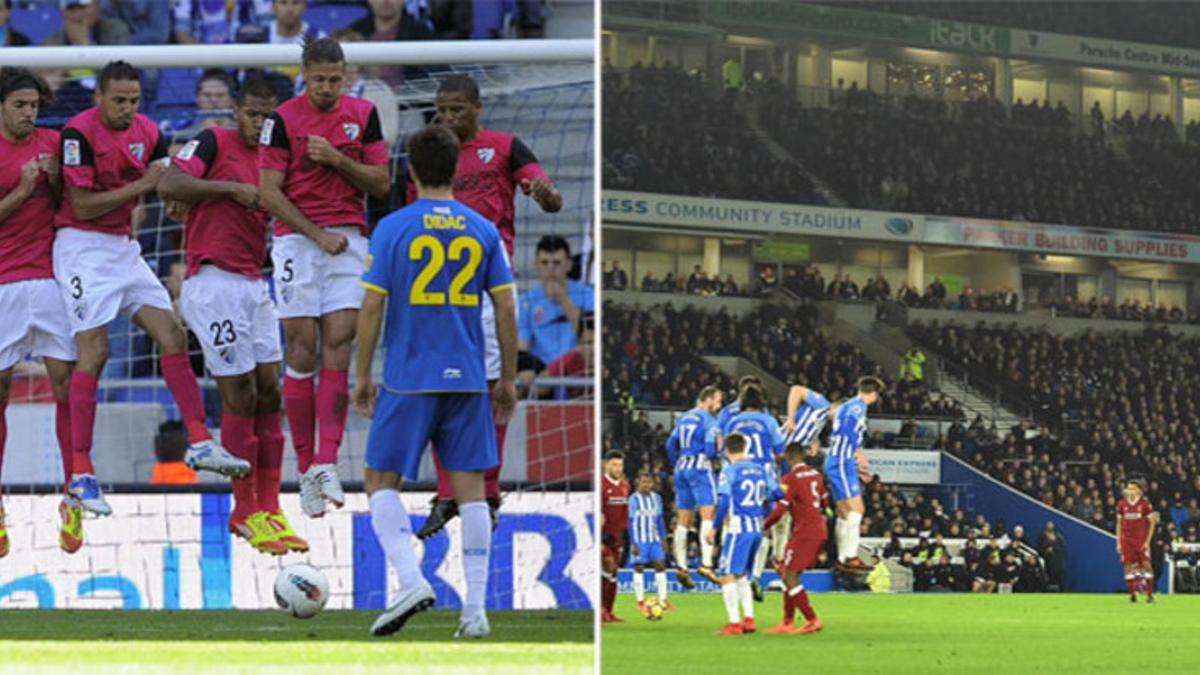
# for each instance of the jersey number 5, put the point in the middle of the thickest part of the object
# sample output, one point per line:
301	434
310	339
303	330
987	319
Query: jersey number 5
459	247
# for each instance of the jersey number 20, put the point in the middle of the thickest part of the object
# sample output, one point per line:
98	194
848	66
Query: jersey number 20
459	247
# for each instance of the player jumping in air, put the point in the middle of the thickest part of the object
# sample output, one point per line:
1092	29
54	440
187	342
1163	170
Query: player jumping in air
319	152
746	486
807	414
614	515
433	260
647	532
492	165
112	156
35	319
692	448
1135	528
728	412
226	303
805	498
846	469
765	446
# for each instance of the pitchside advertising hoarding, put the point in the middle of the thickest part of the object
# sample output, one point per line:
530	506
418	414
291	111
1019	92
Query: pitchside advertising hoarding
906	467
737	216
174	551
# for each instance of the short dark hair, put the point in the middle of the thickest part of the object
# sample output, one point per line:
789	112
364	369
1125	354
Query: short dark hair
795	449
170	444
748	379
322	50
118	71
460	84
735	444
258	87
433	155
217	74
552	243
18	79
870	384
707	392
614	454
752	396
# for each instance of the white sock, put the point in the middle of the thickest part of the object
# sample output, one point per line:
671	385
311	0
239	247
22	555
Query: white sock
744	592
393	529
639	585
660	580
680	545
839	534
760	561
706	549
730	592
476	546
853	534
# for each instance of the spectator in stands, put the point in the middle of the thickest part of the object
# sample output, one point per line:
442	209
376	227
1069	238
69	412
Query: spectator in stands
10	37
549	313
729	287
696	281
288	26
214	99
148	21
453	20
616	278
170	445
649	283
767	280
389	20
1054	554
83	25
220	22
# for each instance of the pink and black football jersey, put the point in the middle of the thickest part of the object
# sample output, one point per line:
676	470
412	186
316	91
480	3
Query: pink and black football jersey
320	192
222	232
27	236
100	159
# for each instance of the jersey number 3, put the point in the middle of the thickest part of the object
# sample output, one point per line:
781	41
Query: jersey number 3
459	247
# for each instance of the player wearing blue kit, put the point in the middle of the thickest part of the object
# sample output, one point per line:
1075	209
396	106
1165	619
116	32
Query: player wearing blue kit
432	261
846	469
692	448
765	445
730	411
807	414
745	489
647	532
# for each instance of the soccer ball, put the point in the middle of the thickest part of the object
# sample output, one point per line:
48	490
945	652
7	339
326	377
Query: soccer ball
301	590
652	609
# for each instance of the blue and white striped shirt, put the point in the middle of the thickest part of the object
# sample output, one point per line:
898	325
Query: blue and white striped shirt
810	419
848	427
693	441
762	433
743	492
646	525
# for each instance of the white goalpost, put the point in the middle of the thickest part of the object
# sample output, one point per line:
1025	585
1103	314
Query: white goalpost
169	548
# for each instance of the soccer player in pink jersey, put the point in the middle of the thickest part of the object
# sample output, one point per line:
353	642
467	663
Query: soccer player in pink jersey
227	304
35	319
112	156
491	166
318	154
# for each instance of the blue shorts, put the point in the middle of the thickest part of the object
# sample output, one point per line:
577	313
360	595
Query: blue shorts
737	553
648	553
842	478
695	488
459	426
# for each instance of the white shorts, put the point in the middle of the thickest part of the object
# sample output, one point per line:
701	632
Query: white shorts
35	322
233	318
101	275
311	283
491	342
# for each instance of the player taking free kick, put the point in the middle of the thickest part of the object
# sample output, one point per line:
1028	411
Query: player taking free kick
433	260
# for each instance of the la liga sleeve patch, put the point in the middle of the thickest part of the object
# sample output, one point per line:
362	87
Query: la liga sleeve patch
267	129
71	152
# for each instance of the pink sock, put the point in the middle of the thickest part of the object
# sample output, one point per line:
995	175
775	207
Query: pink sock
182	382
269	468
299	404
62	429
3	429
491	477
83	421
237	436
333	393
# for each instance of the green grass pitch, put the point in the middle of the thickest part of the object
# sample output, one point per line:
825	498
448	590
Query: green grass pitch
1050	633
335	642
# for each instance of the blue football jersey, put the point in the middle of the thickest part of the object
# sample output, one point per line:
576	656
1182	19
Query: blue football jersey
434	259
810	419
848	426
728	413
744	491
693	442
762	431
646	525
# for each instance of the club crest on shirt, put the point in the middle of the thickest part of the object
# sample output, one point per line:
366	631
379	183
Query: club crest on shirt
264	138
351	130
137	149
188	150
486	154
71	154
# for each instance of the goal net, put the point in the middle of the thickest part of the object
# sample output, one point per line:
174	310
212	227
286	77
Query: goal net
170	547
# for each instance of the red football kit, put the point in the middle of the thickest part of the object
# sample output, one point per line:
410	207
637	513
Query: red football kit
1135	528
805	498
614	505
27	235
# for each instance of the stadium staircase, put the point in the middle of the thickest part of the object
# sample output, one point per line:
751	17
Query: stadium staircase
780	153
